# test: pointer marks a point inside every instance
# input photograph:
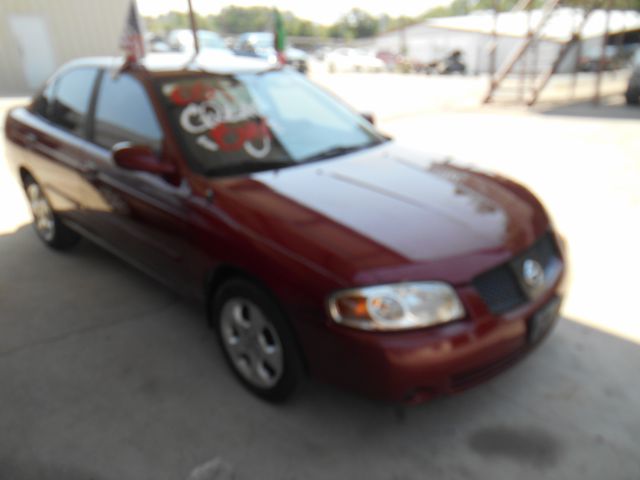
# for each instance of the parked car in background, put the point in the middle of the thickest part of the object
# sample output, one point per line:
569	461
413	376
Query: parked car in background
353	60
591	58
320	53
261	45
391	60
633	88
317	244
182	41
453	63
156	44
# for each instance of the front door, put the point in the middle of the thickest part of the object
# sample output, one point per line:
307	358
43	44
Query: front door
140	215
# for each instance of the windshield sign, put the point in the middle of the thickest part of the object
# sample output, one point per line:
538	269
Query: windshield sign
231	124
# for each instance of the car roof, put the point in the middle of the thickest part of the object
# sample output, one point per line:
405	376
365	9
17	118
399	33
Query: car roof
208	61
257	35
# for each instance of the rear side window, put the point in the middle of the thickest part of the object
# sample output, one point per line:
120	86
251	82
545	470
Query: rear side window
72	95
124	113
43	103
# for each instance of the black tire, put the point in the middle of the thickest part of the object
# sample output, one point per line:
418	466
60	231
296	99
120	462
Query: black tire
239	290
633	97
57	235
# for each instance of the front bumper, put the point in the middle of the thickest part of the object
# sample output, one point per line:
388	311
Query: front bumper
415	366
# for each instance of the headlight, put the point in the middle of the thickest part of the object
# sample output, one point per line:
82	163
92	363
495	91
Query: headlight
396	307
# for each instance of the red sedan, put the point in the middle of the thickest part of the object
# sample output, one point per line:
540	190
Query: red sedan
318	245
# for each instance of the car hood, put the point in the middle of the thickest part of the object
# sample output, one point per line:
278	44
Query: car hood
388	214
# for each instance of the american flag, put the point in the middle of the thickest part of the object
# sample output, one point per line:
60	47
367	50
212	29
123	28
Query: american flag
131	40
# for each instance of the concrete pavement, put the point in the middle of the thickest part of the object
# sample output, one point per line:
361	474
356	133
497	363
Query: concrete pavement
106	375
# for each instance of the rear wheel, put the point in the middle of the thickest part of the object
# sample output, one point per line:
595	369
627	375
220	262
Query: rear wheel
256	340
46	223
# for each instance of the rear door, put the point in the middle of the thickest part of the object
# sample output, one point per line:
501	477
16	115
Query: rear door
140	215
54	136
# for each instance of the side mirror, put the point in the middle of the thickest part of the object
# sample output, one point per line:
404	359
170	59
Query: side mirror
141	158
368	116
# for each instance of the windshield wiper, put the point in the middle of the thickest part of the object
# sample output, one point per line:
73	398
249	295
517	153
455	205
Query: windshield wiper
250	166
267	164
336	151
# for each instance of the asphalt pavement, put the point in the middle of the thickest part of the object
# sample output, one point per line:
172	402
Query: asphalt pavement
106	375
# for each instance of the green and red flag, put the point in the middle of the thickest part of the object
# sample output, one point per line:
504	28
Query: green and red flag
279	37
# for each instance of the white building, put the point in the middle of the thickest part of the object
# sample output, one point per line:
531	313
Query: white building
37	36
436	38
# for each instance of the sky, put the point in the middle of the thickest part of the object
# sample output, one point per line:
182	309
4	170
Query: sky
320	11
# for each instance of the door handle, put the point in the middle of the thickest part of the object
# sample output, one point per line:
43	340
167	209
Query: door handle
90	169
30	139
90	166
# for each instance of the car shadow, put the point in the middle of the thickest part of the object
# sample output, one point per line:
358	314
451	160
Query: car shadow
103	370
611	107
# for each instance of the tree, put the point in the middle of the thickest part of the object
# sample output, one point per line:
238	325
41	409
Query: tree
234	20
355	24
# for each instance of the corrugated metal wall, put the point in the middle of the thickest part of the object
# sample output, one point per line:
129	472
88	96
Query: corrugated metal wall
37	36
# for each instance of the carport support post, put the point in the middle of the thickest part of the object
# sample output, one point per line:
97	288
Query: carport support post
494	40
577	35
403	38
603	54
524	62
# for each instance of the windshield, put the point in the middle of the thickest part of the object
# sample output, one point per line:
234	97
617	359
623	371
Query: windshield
242	123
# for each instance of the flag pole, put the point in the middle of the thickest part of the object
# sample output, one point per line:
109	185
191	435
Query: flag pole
132	39
194	29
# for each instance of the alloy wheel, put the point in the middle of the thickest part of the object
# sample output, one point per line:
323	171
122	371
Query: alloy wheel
251	342
43	218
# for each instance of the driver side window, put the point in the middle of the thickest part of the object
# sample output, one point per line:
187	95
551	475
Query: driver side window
125	113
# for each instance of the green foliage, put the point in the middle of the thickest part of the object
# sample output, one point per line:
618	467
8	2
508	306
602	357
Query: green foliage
167	22
233	20
355	24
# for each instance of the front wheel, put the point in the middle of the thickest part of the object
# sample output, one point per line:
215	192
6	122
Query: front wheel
257	341
46	223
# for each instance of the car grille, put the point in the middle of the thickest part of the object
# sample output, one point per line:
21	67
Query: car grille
502	287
